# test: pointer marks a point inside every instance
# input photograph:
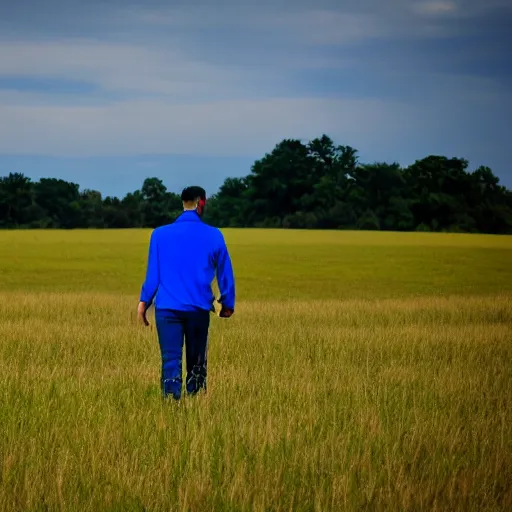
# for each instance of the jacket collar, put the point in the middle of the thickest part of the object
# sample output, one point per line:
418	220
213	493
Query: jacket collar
189	216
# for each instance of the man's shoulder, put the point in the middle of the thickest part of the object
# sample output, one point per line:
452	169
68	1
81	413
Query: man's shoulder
208	229
211	229
159	229
212	233
162	231
218	232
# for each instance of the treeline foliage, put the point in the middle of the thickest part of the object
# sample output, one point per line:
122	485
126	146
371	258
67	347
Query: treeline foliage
55	203
312	186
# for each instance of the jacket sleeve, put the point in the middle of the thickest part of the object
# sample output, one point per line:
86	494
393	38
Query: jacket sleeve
150	286
225	276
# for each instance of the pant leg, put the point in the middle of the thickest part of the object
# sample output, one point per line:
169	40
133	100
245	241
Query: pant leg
196	343
170	327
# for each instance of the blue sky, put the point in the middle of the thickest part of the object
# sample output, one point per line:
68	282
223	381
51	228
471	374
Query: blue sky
107	93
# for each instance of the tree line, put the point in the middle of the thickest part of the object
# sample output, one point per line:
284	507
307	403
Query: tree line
314	185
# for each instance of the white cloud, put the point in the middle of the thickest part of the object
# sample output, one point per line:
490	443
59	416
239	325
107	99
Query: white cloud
435	7
307	26
323	26
457	8
314	23
115	67
156	98
223	128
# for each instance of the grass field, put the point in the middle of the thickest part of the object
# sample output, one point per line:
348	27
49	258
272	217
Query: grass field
362	371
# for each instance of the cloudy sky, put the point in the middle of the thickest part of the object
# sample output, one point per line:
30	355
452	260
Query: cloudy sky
108	92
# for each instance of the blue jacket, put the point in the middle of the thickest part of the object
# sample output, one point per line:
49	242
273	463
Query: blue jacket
183	259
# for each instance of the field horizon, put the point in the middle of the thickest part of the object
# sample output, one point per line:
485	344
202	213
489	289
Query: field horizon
361	371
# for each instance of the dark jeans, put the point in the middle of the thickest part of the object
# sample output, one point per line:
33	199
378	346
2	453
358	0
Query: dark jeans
173	327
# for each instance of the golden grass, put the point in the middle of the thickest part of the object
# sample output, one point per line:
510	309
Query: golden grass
270	265
313	405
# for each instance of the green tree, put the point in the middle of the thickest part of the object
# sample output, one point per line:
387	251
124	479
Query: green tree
131	204
439	188
229	207
297	185
91	209
336	196
278	181
155	203
490	203
115	215
60	201
381	190
16	200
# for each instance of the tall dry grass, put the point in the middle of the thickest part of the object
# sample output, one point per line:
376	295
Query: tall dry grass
313	405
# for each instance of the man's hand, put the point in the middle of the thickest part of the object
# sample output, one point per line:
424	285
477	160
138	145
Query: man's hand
141	313
226	312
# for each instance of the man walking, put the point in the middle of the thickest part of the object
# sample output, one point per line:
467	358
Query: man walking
184	258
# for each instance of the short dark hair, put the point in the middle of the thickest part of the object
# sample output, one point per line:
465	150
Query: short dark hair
192	193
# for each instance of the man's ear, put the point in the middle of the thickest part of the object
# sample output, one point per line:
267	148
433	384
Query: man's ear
200	206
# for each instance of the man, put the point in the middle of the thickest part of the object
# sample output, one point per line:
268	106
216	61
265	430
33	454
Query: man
183	259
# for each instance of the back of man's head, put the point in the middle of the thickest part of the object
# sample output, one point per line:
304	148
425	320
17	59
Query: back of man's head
191	194
194	197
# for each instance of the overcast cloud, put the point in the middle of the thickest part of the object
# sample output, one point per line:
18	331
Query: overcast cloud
174	83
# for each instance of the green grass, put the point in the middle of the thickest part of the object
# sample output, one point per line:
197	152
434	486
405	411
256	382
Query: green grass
270	265
362	371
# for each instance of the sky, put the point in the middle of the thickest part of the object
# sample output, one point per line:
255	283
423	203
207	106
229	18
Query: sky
105	93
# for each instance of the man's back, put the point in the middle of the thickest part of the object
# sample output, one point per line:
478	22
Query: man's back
183	259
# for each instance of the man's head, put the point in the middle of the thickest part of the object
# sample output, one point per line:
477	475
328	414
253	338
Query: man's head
194	198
